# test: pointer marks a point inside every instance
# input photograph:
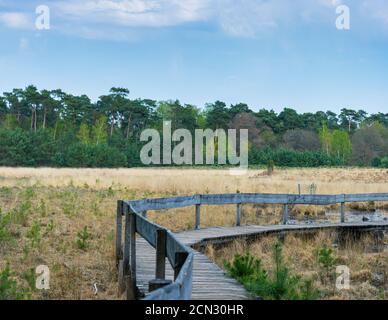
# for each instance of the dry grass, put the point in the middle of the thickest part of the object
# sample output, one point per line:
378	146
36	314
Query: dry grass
184	181
63	201
300	254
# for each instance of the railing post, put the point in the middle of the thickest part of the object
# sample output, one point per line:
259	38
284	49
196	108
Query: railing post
161	240
119	227
342	212
238	215
130	254
285	213
161	253
197	216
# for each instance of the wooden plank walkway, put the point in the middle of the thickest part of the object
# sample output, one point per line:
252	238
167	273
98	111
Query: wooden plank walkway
209	281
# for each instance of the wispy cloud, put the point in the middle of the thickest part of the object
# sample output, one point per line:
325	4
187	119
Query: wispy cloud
118	19
16	20
135	13
235	17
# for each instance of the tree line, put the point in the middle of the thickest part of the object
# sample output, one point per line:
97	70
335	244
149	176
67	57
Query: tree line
54	128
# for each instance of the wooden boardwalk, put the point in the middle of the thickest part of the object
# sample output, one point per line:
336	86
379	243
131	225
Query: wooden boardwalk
209	280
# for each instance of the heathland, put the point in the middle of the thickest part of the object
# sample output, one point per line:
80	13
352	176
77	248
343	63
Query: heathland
64	218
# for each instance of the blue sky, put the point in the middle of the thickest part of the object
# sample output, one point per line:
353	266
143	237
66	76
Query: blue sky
267	53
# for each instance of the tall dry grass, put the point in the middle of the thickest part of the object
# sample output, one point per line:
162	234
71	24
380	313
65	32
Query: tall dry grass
187	181
300	255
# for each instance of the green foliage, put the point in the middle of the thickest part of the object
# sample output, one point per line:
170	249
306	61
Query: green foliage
280	285
34	235
23	148
19	214
50	226
53	128
8	286
30	278
326	261
5	220
244	266
380	162
84	134
93	156
99	131
82	239
341	145
291	158
336	143
42	208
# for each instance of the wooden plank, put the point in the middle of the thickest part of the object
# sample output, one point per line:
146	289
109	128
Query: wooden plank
147	229
252	198
164	203
174	246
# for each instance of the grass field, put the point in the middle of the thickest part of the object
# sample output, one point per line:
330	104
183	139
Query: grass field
44	213
305	256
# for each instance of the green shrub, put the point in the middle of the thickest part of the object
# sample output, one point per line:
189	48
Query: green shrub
326	261
280	285
292	158
34	234
82	239
8	286
5	220
380	162
93	156
244	266
30	278
384	162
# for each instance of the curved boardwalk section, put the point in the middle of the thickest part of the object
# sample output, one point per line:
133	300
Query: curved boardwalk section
209	280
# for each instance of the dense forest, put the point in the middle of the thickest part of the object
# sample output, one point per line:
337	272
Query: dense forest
53	128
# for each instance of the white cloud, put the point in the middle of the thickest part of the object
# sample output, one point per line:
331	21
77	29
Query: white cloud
235	17
15	20
249	17
136	13
118	19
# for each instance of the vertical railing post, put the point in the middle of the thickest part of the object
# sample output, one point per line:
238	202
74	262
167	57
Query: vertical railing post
161	240
285	213
119	231
130	253
342	212
161	253
238	215
197	216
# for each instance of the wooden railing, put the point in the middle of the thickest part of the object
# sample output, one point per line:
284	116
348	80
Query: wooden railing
180	256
